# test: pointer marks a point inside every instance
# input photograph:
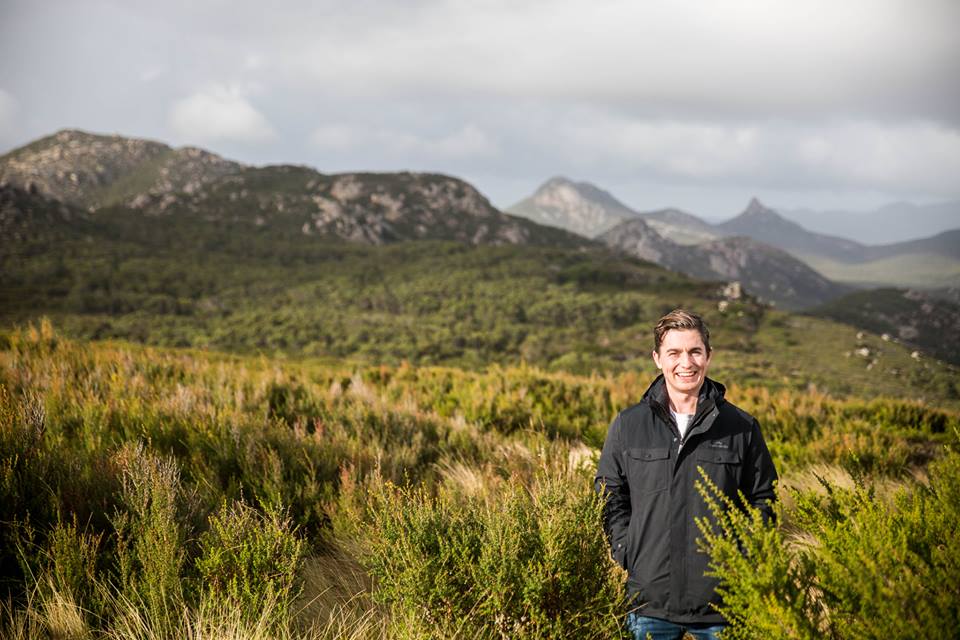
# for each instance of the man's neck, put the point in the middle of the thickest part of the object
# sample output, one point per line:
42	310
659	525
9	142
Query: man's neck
683	403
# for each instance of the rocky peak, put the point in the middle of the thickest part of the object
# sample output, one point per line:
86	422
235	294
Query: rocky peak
576	206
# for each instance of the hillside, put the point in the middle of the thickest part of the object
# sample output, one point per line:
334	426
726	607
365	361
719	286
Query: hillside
579	207
766	225
92	171
920	263
915	318
373	208
681	227
764	271
179	281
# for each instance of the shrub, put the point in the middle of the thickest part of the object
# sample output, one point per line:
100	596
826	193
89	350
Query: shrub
248	557
519	563
864	566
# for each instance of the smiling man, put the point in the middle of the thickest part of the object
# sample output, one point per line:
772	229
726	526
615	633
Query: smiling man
647	474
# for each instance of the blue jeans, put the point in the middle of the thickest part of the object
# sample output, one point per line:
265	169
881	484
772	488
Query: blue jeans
641	626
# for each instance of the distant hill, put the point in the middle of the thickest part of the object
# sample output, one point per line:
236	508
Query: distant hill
916	318
766	225
92	171
922	263
98	172
764	271
681	227
579	207
888	224
373	208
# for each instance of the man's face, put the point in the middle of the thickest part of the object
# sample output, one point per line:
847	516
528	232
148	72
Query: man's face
684	359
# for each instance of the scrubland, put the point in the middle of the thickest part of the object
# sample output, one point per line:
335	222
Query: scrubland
158	493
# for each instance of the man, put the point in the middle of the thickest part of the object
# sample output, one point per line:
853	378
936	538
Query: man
647	472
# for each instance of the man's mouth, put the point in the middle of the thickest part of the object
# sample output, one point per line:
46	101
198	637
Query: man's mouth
686	374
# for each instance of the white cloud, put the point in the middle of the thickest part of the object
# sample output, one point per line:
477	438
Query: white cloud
919	157
468	141
219	113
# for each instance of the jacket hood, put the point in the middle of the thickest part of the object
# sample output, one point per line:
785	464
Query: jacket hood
656	393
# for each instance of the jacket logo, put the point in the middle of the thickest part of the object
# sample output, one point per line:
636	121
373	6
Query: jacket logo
719	444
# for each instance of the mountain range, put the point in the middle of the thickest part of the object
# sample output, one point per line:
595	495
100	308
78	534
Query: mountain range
74	187
924	263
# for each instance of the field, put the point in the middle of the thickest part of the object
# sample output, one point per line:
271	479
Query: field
231	431
155	492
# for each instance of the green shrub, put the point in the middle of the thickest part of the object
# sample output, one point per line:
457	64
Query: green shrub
519	563
248	557
149	532
853	564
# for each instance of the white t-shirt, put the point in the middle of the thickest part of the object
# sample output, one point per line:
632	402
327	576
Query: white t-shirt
683	421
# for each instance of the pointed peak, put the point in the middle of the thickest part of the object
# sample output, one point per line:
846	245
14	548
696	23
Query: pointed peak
757	208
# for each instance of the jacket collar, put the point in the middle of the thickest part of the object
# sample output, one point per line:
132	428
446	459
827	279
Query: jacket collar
711	394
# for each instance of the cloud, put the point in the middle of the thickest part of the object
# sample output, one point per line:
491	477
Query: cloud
920	157
468	141
219	113
868	58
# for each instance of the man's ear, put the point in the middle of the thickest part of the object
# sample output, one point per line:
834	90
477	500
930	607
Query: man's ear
656	359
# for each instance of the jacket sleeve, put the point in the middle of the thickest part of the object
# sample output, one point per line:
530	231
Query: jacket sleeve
760	476
612	485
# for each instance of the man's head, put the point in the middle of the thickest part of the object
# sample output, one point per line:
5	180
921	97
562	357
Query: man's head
681	349
681	320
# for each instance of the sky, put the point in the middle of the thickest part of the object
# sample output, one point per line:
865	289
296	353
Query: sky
694	104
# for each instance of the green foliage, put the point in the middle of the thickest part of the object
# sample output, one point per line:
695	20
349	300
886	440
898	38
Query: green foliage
150	533
142	487
850	564
518	563
248	557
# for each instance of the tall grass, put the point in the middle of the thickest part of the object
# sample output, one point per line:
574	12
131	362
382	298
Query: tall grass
152	493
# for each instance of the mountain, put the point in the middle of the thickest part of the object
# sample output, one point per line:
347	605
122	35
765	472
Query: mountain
579	207
373	208
680	226
888	224
923	263
100	172
916	318
92	171
763	271
766	225
946	244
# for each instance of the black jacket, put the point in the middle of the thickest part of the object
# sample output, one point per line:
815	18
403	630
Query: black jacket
648	480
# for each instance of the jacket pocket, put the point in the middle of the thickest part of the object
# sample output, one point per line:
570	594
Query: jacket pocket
648	470
723	468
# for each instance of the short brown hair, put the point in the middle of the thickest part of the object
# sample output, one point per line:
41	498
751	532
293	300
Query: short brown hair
682	320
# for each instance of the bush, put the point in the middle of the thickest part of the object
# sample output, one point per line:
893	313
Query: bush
249	557
856	564
519	563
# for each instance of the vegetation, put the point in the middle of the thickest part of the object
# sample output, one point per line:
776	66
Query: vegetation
919	319
155	493
178	280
